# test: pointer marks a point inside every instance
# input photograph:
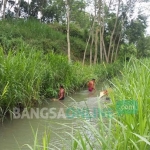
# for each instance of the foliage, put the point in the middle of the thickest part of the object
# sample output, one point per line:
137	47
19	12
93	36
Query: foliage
117	28
133	85
118	131
143	47
127	51
135	30
28	75
51	37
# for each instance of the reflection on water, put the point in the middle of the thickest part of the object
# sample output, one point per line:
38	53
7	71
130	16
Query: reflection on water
14	134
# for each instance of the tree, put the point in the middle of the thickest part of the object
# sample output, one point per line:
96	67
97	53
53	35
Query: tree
18	9
36	6
24	8
113	19
1	4
68	28
135	29
143	47
4	8
54	12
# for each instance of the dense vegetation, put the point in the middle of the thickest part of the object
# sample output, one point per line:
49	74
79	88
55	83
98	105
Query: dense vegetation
117	131
107	34
33	62
47	38
29	76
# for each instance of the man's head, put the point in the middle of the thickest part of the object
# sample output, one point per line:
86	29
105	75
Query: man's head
93	80
61	86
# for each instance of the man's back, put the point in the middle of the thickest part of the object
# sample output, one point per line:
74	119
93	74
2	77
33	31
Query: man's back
91	85
61	93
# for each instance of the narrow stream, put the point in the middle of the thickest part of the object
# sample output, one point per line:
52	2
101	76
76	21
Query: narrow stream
14	134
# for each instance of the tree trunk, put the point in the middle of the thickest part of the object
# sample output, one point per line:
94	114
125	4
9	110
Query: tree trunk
18	11
96	42
111	38
105	54
1	4
100	30
102	40
91	30
91	48
117	48
101	47
95	11
4	8
113	50
68	30
102	34
112	54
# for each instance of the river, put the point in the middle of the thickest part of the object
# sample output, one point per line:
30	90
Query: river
14	134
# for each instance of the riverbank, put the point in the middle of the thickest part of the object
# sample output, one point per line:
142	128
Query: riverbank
29	76
47	121
129	126
126	128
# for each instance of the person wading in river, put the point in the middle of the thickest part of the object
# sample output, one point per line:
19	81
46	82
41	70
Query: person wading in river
103	93
91	85
61	94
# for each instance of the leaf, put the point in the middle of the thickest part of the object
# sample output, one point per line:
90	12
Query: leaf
142	138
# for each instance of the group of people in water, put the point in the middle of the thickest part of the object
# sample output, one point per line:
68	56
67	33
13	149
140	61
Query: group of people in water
90	85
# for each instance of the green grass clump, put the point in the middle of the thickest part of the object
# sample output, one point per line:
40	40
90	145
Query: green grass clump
120	131
28	75
134	85
44	37
123	130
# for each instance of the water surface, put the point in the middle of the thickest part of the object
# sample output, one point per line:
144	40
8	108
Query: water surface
14	134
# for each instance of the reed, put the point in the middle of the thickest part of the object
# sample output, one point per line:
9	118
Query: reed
123	131
28	75
120	131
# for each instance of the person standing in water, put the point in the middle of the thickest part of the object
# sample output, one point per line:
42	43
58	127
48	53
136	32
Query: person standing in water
61	94
91	85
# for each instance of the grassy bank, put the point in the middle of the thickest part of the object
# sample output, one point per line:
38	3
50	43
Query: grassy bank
28	76
125	130
134	85
44	37
120	131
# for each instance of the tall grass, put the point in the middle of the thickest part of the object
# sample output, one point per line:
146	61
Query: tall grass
124	131
134	85
27	75
120	131
37	35
22	72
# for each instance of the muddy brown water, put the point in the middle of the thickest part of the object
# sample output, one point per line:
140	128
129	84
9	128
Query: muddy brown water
16	133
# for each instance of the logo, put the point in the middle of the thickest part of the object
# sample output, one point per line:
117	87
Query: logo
127	107
57	113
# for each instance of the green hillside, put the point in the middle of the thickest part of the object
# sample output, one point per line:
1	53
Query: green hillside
46	37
